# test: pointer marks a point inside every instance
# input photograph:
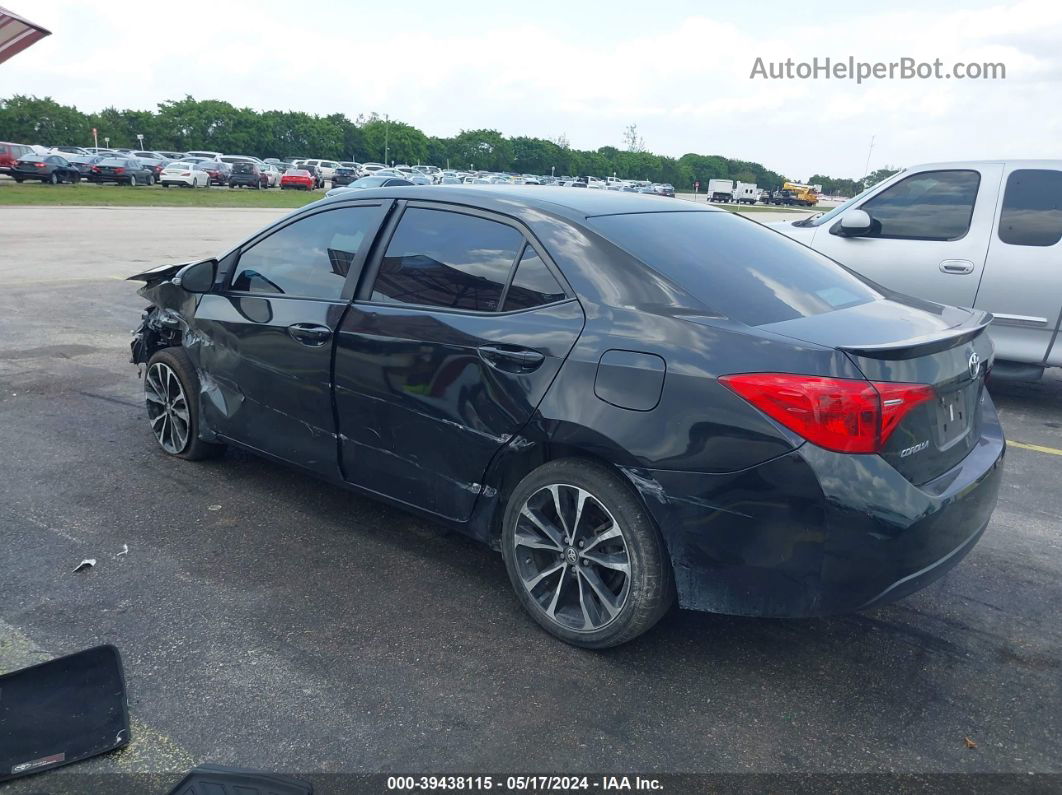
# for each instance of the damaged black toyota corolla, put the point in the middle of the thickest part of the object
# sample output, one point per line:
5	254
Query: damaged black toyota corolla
633	399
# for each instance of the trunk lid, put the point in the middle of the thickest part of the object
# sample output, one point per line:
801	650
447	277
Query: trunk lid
912	342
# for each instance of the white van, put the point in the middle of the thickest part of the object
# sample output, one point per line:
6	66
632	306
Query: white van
326	167
983	234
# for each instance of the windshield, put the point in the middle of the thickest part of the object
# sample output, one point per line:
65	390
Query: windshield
369	182
735	266
826	217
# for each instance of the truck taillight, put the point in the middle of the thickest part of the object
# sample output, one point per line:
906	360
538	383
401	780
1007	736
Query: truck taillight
839	414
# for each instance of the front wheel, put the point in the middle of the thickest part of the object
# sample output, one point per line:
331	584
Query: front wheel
171	389
132	182
583	556
54	178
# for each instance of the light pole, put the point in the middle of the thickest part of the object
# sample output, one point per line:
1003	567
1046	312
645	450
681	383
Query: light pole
551	170
387	128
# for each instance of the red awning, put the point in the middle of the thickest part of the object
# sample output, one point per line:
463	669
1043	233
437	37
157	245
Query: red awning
16	34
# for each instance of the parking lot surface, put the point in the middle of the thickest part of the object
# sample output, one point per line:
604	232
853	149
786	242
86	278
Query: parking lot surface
269	620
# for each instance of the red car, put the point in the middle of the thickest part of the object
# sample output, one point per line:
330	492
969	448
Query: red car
10	153
297	178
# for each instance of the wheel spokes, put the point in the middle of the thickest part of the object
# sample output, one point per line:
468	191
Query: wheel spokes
533	582
604	597
572	557
546	528
617	561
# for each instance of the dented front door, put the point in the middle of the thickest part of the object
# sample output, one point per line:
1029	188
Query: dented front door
265	359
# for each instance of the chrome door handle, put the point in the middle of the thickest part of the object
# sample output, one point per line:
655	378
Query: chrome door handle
310	334
957	266
519	359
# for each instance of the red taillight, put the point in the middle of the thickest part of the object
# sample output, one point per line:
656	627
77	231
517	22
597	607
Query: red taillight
40	165
119	170
839	414
96	169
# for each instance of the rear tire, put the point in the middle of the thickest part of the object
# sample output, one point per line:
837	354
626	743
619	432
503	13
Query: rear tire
132	181
595	576
171	390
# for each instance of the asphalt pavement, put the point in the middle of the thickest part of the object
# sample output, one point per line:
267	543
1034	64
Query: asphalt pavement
267	619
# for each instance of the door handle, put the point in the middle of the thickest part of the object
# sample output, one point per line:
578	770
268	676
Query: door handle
522	360
310	334
957	266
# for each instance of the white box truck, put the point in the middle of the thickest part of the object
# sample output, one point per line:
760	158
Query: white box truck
720	190
746	193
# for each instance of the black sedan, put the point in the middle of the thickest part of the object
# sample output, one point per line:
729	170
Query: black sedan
123	171
635	400
344	176
49	168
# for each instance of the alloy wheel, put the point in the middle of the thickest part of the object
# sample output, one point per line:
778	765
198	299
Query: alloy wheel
167	408
572	557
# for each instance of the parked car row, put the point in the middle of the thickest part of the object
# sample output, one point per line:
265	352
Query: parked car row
235	170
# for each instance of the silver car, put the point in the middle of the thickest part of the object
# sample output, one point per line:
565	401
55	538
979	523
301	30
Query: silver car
982	234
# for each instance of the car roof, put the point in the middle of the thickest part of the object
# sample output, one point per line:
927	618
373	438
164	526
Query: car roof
507	198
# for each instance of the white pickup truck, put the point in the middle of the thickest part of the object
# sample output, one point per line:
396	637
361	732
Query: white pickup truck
981	234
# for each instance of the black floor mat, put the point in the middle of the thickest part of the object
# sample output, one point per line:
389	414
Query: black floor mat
62	711
215	780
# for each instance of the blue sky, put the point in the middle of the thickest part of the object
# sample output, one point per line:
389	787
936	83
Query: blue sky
679	70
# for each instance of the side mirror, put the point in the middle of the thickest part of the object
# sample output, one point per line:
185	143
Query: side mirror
854	223
197	277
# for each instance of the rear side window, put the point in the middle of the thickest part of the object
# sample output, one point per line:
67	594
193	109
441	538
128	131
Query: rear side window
309	258
932	205
533	284
447	259
735	266
1032	208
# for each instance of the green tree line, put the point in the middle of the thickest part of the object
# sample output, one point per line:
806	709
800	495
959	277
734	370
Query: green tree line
189	124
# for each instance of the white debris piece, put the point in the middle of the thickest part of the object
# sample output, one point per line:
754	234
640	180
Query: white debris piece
87	563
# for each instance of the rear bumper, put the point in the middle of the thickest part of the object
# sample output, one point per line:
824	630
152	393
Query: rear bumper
817	533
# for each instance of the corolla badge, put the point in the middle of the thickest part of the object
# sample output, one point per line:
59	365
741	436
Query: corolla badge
975	364
917	448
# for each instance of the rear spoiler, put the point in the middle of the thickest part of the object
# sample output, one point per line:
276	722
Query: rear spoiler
929	343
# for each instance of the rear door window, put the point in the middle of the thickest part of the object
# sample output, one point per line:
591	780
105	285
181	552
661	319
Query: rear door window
931	205
735	266
533	284
447	259
1032	208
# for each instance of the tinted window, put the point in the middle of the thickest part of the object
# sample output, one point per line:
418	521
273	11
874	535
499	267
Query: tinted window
933	205
309	258
1032	208
533	284
736	267
440	258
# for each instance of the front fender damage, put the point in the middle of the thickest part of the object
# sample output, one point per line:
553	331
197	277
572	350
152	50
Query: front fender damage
167	322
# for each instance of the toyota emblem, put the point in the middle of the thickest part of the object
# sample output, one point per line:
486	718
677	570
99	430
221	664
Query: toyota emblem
975	364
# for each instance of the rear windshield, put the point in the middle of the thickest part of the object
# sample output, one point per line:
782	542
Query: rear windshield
243	168
735	266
